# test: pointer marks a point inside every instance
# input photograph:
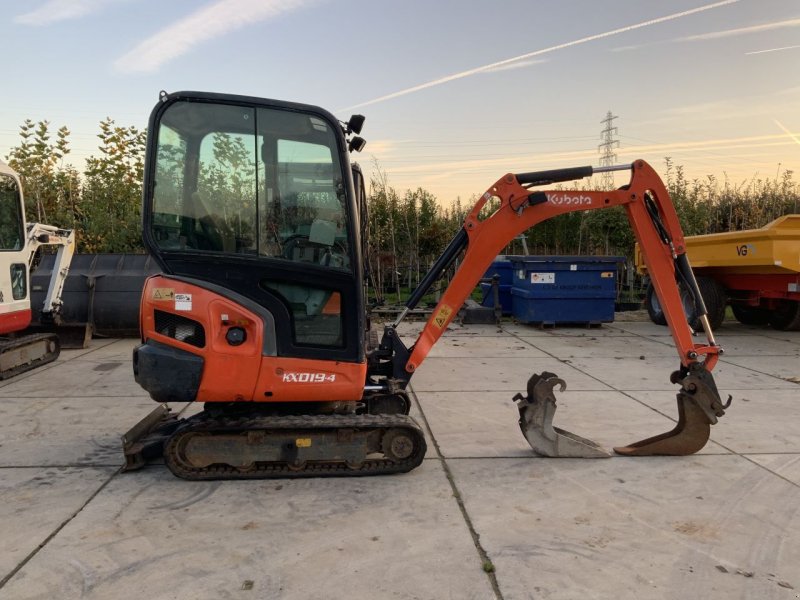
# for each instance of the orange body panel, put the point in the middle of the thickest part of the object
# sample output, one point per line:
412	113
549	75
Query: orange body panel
241	373
302	379
514	216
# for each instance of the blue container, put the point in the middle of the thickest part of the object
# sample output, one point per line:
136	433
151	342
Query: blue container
564	289
502	267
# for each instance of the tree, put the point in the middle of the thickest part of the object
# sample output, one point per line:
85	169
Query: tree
50	189
112	191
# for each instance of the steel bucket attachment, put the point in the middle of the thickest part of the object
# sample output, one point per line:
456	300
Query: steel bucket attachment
536	412
71	336
699	407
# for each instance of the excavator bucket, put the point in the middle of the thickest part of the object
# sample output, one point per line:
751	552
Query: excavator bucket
536	412
699	407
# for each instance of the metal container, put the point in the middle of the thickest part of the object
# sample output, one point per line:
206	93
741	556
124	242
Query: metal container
564	289
503	268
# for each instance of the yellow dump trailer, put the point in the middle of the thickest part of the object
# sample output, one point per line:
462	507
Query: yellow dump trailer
773	249
756	271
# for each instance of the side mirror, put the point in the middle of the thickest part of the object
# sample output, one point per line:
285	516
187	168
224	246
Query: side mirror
355	124
357	144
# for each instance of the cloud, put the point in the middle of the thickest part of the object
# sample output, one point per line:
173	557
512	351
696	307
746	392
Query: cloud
514	161
215	20
628	48
53	11
522	57
714	35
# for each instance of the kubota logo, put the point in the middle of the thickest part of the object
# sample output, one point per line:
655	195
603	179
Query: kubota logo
567	199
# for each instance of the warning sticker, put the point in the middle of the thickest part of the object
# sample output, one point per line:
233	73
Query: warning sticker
543	277
183	302
607	275
441	317
163	294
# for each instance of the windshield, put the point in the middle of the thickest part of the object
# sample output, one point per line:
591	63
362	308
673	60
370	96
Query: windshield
253	181
11	220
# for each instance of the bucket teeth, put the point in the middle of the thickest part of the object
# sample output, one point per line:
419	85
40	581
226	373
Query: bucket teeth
699	407
536	411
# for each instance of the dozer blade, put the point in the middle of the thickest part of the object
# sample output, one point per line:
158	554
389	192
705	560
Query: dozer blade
699	407
144	442
536	412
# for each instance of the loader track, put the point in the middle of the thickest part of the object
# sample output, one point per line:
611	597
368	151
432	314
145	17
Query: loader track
267	430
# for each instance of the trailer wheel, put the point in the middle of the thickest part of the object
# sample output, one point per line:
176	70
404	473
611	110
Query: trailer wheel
655	311
786	316
715	300
751	315
654	306
713	296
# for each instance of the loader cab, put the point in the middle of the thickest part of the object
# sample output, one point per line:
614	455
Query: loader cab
255	198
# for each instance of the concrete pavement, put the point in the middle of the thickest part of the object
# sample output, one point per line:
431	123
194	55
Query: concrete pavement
481	518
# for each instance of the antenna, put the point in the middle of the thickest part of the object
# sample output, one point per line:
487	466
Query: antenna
606	148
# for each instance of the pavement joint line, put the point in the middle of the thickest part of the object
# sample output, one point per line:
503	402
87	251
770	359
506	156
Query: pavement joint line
767	469
780	339
613	456
613	388
482	554
727	362
56	531
720	444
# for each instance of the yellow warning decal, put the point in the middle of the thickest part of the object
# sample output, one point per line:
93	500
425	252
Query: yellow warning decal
607	274
163	294
441	317
303	442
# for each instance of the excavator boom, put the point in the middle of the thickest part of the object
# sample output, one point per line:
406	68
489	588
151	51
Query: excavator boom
657	229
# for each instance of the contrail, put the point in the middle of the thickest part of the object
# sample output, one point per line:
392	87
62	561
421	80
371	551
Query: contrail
786	131
501	63
772	50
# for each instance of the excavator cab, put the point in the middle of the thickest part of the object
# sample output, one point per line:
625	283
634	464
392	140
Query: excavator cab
14	277
257	197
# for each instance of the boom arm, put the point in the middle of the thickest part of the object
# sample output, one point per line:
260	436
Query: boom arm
655	224
649	210
48	235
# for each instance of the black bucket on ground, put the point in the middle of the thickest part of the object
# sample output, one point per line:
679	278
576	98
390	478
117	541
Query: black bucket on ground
102	290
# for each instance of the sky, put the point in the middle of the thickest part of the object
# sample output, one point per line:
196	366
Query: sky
455	93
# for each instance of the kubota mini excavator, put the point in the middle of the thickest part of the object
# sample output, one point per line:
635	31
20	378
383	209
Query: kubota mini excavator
257	219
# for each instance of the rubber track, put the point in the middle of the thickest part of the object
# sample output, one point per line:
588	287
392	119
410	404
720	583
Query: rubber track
205	423
9	344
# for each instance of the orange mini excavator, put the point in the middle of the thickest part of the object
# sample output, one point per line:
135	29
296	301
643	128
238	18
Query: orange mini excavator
258	221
